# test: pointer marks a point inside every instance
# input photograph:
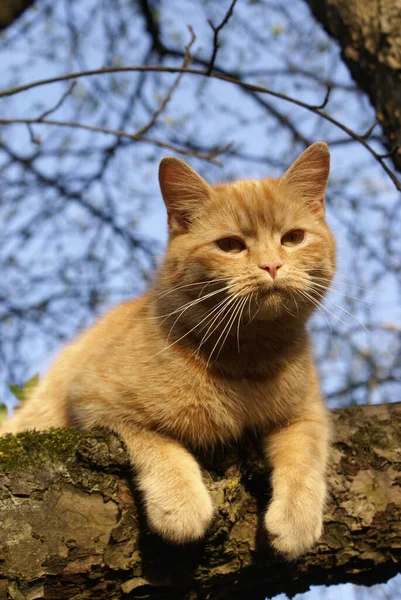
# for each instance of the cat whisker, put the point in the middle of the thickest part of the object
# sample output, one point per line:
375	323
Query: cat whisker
234	314
286	308
348	284
249	307
191	330
296	303
332	314
177	310
239	322
381	348
209	329
207	334
166	316
361	324
194	303
212	329
226	327
187	285
237	310
257	311
315	285
349	314
318	305
289	311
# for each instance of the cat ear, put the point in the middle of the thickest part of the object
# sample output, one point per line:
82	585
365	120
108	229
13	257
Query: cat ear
308	175
183	190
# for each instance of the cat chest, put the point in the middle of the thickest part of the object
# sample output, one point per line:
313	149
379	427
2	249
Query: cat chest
204	413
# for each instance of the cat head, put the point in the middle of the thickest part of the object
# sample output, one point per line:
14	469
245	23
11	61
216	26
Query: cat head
264	240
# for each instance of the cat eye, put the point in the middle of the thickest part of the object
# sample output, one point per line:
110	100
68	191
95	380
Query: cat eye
293	238
231	245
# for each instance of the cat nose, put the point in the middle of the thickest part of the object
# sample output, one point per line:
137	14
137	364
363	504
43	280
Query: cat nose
272	268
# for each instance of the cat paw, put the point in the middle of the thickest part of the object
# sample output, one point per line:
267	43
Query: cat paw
294	526
179	512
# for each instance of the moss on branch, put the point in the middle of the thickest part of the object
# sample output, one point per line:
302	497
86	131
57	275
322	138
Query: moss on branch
73	526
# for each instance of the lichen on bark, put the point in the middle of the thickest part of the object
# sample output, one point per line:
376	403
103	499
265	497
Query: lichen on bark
72	525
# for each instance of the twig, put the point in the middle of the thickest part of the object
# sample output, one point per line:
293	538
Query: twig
131	136
216	31
351	387
35	139
247	86
389	154
369	132
59	103
326	99
187	61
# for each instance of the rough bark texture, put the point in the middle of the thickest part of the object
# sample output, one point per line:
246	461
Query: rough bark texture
369	33
10	10
70	526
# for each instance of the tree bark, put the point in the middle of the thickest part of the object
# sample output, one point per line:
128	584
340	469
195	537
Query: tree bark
72	525
10	10
368	32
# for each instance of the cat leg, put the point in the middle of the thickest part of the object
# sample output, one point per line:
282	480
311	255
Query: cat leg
298	456
178	505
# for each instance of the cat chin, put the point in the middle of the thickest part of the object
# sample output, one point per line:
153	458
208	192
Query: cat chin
270	308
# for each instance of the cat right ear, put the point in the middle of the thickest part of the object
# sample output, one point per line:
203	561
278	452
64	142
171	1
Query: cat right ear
183	190
308	175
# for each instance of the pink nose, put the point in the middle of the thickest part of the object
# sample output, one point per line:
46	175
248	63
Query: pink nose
271	268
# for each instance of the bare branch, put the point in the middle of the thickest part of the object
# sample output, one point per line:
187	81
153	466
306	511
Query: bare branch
152	27
326	99
202	73
59	103
131	136
35	139
187	61
389	154
369	132
216	31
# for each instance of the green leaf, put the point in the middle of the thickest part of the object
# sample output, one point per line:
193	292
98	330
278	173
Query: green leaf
23	392
277	29
3	412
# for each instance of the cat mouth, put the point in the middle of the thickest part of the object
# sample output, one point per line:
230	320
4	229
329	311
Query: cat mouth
271	290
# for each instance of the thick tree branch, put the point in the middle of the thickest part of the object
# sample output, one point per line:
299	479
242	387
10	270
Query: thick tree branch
71	526
368	33
10	10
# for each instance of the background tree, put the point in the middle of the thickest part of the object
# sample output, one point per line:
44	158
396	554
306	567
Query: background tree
368	33
82	222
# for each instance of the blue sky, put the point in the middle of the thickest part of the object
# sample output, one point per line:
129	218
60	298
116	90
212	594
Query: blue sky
134	177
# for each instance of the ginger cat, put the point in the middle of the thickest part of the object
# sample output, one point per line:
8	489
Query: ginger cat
218	345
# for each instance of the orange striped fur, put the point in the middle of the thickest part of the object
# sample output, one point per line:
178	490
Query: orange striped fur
216	347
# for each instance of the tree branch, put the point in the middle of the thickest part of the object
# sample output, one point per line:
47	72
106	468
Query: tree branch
247	86
368	35
10	10
152	27
216	32
72	524
123	134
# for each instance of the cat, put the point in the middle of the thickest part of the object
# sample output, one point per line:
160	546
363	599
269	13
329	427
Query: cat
216	347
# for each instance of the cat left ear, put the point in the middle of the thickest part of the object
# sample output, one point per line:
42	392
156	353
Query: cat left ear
183	190
308	175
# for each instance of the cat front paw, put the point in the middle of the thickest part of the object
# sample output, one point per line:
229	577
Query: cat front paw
180	512
294	525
